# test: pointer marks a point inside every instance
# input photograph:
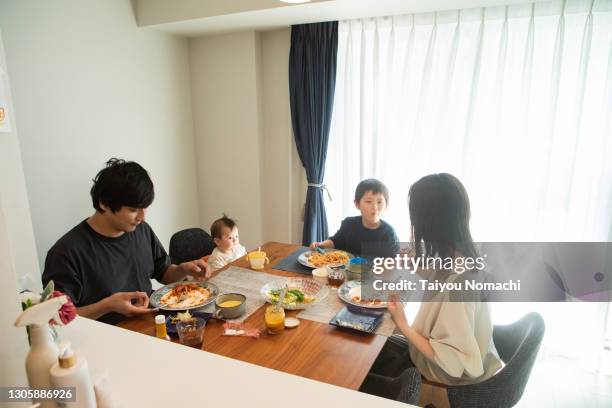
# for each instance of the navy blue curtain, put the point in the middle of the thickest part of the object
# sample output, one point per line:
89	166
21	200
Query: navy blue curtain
312	80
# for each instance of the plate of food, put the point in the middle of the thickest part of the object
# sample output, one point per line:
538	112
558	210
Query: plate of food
300	292
184	295
329	257
350	292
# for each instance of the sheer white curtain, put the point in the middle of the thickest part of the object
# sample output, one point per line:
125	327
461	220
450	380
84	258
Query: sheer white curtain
515	101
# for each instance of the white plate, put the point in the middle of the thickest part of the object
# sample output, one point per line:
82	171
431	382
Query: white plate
155	298
349	289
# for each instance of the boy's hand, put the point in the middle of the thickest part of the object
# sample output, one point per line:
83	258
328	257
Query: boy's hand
314	246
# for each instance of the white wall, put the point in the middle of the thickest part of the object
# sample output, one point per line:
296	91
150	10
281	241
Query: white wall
284	180
247	163
88	84
86	89
228	139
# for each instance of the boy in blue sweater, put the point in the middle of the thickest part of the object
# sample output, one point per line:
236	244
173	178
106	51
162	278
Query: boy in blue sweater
366	234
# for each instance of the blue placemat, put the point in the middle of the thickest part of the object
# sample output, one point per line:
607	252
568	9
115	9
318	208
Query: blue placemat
361	322
291	264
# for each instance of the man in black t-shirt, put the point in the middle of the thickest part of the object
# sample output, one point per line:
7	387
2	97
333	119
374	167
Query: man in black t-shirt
106	262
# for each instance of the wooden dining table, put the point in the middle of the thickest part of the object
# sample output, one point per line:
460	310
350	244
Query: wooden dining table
313	350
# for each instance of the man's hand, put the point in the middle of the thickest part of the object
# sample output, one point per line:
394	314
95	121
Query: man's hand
198	269
129	303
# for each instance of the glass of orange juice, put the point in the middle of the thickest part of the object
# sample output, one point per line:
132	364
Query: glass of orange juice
275	319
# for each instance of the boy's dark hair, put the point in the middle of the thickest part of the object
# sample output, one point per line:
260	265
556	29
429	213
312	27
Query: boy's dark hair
216	229
440	216
373	185
120	184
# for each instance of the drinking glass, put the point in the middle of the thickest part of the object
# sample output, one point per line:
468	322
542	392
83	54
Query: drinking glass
191	333
335	277
275	319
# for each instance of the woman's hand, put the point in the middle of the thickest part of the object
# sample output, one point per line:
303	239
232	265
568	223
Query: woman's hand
396	310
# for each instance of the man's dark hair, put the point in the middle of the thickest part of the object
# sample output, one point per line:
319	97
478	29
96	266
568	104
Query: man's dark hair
216	229
120	184
373	185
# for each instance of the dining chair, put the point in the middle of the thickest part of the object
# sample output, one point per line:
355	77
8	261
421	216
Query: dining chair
517	345
190	244
404	388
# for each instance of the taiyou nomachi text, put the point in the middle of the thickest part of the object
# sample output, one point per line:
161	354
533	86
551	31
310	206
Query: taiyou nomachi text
439	286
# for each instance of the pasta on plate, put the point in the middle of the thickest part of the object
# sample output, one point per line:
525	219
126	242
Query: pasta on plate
331	258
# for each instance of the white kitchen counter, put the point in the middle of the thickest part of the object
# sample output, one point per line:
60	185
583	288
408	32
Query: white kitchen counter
148	372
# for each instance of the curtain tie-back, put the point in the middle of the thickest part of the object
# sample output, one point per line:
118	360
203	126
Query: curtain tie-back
322	187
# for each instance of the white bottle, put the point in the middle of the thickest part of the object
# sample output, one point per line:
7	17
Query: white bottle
43	353
71	371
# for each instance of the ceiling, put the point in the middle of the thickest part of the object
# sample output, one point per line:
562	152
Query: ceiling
193	18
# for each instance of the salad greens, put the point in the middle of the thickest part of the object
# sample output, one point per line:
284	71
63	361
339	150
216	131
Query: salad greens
292	297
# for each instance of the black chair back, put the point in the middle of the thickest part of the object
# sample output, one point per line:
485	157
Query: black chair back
404	388
190	244
517	344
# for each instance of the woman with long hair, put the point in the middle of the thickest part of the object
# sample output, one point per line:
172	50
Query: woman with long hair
450	340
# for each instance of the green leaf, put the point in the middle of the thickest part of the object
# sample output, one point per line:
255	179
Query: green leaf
298	294
48	291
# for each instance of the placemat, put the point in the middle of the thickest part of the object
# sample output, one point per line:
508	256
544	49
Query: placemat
323	312
291	264
241	280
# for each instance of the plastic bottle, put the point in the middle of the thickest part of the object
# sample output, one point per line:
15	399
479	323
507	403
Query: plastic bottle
72	371
160	327
43	351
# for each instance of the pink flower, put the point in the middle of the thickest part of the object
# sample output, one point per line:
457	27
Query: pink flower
67	313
